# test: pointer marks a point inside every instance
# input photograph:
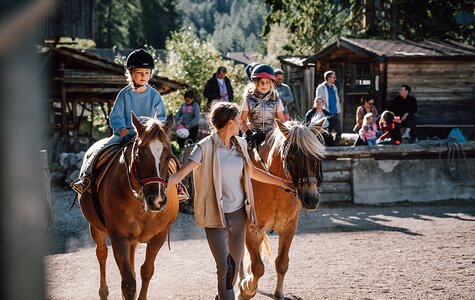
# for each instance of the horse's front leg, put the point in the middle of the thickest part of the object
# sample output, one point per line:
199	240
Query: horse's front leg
121	249
282	260
248	285
133	246
148	267
101	253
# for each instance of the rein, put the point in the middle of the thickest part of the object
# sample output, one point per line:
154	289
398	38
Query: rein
137	177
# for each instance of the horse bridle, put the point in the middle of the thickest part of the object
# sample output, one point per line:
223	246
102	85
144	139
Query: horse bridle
136	173
308	179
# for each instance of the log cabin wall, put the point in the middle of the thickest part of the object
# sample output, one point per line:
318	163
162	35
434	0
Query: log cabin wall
440	73
444	89
301	80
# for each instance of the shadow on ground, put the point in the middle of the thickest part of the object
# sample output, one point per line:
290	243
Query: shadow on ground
69	230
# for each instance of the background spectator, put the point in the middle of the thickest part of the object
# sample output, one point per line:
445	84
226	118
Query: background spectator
369	130
285	93
328	91
317	113
391	128
405	107
218	87
188	115
367	106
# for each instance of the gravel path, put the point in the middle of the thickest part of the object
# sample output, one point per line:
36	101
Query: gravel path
347	252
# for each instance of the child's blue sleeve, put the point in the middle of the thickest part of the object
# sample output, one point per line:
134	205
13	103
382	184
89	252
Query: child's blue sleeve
178	113
117	115
159	108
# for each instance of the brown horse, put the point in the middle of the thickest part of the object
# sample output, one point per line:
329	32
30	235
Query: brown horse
134	205
295	153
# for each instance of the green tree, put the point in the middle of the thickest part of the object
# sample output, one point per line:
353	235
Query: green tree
118	23
230	25
159	18
132	23
316	23
193	61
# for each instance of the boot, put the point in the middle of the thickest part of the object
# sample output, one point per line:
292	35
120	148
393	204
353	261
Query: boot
182	191
81	184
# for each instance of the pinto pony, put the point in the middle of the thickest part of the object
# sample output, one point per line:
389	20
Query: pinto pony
132	204
295	152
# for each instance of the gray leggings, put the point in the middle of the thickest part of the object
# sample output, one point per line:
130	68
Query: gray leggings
227	247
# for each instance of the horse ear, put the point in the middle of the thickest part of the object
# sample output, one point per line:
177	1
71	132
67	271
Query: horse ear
317	126
139	127
169	124
282	127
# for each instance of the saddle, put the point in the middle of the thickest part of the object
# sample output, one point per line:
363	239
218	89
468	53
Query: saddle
101	158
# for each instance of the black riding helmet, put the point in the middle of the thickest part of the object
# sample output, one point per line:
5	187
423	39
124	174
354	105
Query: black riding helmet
139	59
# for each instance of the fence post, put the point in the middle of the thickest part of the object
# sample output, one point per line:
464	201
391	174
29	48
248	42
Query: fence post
46	184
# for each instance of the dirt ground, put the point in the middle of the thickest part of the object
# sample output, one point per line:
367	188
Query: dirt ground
402	251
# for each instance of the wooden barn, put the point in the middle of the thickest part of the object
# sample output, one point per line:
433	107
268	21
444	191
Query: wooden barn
440	73
80	81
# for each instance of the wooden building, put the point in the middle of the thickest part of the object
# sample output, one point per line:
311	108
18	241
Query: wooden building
79	81
440	73
301	79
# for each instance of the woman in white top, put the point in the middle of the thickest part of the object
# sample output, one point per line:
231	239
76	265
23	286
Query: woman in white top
223	191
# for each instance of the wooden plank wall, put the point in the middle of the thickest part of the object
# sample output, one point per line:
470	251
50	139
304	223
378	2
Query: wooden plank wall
301	81
444	89
336	185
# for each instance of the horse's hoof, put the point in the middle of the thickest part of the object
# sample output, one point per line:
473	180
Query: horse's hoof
245	293
278	296
104	293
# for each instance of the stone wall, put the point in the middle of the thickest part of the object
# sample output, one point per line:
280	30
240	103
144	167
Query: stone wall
415	180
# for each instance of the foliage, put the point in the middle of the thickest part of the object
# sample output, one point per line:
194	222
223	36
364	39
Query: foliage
77	43
316	23
275	43
230	25
132	23
175	147
193	61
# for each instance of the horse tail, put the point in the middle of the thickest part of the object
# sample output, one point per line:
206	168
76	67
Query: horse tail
265	246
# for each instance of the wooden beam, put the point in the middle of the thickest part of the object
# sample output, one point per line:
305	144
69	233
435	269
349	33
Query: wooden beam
431	149
63	106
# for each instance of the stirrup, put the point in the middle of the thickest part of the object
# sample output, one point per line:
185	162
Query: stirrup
80	185
182	192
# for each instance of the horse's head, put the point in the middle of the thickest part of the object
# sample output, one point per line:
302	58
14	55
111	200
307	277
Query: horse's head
301	151
150	157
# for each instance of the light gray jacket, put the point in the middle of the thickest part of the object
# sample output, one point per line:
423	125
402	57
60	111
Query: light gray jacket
321	91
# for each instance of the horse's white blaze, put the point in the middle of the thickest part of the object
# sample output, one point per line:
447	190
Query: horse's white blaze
156	147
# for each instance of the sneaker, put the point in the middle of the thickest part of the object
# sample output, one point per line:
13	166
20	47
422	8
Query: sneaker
81	185
406	136
183	194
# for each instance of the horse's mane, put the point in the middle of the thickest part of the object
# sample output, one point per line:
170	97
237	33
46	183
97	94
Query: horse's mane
301	152
153	130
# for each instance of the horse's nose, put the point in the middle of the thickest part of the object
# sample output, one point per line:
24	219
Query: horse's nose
155	203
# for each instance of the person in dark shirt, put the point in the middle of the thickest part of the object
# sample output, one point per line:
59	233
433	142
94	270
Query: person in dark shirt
390	126
218	88
405	107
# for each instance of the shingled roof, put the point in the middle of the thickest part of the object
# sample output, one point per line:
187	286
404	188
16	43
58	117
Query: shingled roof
382	49
88	76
